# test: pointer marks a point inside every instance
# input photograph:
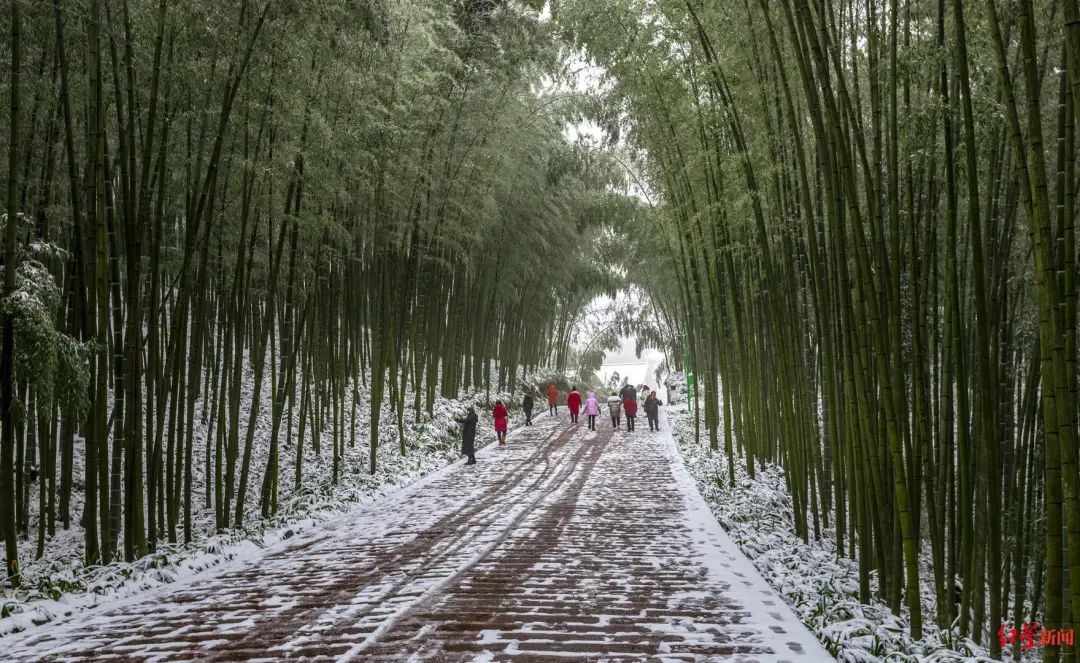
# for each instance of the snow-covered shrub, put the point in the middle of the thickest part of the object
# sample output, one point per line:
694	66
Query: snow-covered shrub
59	584
821	586
676	387
56	365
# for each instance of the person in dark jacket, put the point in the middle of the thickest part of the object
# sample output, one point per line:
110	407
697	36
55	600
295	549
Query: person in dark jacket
468	435
526	407
652	411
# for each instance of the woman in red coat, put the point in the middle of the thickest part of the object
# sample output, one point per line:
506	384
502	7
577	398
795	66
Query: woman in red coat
553	400
573	401
630	408
500	422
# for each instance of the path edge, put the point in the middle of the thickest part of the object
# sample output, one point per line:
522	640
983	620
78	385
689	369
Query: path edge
699	512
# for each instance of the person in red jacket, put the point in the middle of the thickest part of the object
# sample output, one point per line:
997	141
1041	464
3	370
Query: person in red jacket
629	405
553	400
573	401
501	417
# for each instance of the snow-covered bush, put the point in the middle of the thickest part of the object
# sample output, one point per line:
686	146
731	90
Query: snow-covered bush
821	586
676	387
58	584
56	365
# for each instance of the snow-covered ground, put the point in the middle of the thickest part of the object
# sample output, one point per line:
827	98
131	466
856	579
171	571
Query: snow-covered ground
569	543
819	585
58	583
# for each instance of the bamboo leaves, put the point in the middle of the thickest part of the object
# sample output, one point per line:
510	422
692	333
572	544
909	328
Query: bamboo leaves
845	213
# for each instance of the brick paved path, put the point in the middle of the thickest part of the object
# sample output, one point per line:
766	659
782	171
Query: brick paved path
568	543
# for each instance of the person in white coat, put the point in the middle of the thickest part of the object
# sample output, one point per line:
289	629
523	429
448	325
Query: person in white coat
614	404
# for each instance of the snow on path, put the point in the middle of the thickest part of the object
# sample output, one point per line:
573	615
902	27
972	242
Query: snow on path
568	544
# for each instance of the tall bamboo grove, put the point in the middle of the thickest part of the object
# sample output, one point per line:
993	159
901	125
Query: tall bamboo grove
218	210
864	230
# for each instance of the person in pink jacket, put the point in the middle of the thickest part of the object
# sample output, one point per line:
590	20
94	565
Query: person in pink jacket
592	409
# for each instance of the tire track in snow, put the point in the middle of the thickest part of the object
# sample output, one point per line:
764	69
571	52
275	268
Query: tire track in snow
568	544
585	455
403	564
431	547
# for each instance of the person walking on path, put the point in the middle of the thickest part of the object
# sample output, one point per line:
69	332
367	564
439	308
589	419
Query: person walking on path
468	435
553	400
614	404
630	407
628	391
501	417
652	411
573	401
592	409
526	407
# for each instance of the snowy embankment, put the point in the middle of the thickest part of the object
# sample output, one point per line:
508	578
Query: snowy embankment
59	584
820	586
